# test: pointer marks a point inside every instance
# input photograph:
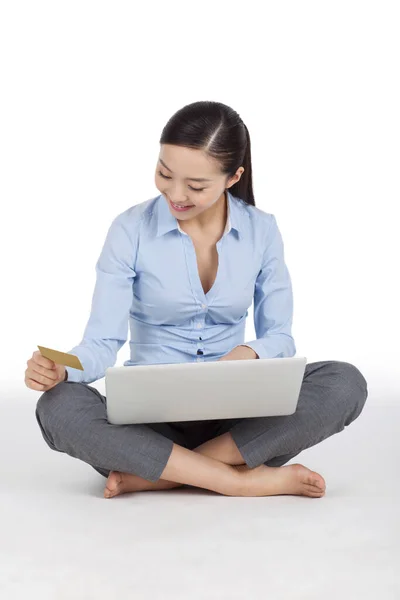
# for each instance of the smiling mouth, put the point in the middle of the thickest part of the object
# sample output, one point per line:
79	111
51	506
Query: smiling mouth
181	205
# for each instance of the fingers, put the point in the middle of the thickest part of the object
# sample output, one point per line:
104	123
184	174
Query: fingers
41	373
38	359
34	385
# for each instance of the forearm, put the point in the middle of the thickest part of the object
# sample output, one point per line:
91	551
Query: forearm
240	353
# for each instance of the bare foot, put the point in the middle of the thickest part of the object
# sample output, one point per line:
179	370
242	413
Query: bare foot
294	479
123	483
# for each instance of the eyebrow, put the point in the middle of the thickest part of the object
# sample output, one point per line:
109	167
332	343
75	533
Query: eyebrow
190	178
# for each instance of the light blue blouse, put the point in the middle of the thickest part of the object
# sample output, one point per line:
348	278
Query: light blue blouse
147	276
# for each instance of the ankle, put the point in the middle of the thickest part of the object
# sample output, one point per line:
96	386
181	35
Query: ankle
238	482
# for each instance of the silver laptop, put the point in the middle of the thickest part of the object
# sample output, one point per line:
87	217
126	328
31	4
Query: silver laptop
157	393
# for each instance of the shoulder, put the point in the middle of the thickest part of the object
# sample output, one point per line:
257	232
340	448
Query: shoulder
133	218
259	220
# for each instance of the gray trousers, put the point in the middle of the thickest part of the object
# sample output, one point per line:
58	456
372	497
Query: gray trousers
72	418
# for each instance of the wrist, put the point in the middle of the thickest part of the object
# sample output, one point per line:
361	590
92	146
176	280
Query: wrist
240	352
250	353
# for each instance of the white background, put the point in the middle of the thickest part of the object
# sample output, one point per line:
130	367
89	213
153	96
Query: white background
86	88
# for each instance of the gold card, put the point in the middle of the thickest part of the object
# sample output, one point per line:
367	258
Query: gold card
61	358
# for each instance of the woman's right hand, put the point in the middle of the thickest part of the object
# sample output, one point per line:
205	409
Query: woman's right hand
42	373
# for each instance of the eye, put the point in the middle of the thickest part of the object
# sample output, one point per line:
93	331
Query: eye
165	177
192	188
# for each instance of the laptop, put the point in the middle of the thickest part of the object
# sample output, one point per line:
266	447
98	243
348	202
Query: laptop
230	389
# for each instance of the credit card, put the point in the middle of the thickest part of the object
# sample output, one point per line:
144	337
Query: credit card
61	358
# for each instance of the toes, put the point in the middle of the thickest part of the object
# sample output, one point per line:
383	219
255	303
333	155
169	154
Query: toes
113	485
312	488
311	482
310	477
316	481
111	493
314	493
318	484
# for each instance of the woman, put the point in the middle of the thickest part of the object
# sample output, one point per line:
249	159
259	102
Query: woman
183	268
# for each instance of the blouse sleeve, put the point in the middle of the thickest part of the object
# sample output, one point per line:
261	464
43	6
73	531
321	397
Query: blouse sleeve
273	301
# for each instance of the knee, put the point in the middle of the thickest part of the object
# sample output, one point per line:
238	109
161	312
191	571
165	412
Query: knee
354	388
52	406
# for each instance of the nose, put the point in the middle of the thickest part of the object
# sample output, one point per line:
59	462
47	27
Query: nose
176	193
177	198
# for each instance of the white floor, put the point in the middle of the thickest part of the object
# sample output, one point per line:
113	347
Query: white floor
60	539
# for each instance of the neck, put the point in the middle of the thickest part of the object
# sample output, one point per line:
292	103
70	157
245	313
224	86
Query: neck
212	220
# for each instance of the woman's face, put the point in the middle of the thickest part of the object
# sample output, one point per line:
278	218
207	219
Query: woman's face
176	172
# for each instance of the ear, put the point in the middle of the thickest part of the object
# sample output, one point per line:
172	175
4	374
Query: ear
235	178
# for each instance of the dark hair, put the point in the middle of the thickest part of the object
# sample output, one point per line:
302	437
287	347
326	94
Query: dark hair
219	131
